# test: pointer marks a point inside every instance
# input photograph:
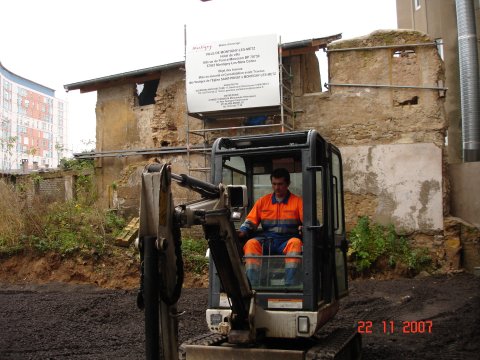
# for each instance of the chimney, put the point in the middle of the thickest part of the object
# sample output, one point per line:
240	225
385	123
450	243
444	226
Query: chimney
24	165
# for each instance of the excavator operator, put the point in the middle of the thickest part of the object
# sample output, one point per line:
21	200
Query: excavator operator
281	215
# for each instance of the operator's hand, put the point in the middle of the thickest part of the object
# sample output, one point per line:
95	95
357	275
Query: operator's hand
300	229
241	234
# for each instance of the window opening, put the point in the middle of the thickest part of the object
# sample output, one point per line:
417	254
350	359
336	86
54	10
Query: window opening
234	171
404	53
412	101
147	92
262	170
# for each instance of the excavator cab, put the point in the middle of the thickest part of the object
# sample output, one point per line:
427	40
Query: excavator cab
315	168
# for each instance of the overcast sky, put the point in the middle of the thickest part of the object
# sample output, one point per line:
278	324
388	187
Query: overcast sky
57	42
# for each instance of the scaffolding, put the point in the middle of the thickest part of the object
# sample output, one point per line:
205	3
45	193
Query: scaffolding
278	118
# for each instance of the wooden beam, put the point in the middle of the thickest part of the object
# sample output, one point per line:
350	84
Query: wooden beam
122	81
300	51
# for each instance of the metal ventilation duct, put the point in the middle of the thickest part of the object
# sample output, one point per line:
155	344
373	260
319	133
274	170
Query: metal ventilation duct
469	80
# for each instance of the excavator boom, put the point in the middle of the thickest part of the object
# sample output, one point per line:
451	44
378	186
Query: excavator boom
159	243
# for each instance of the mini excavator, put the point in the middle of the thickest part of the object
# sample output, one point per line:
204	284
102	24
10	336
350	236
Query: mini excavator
269	320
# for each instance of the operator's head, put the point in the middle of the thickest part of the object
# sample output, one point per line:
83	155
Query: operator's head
280	179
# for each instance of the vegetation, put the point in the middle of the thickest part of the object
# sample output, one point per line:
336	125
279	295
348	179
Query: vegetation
7	145
76	164
36	224
29	223
194	255
372	244
12	225
79	226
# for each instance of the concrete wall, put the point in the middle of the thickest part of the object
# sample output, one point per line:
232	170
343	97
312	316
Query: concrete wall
465	181
405	188
463	227
437	18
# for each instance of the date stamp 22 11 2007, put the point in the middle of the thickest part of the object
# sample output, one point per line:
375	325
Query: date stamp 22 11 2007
391	327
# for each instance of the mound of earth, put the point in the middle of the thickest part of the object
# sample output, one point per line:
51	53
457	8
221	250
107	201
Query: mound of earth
119	270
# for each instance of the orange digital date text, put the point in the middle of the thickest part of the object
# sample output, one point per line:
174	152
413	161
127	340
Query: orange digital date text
390	327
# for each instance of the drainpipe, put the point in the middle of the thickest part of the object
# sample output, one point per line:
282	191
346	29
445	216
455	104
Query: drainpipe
469	79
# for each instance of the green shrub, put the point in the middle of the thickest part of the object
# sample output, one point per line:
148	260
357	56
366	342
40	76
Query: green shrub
63	227
71	226
114	223
12	223
76	164
371	242
194	255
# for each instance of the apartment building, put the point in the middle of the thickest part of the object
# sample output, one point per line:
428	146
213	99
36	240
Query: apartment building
33	124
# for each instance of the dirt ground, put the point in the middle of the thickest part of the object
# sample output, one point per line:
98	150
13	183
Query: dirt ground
58	317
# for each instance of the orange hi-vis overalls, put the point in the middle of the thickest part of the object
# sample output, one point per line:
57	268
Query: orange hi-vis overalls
280	222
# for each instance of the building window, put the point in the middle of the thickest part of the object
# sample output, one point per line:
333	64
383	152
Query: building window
7	95
417	4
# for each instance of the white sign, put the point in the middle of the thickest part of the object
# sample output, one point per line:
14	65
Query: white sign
285	303
233	74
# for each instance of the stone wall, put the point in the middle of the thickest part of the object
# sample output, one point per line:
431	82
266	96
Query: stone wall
391	137
123	125
51	186
355	115
380	110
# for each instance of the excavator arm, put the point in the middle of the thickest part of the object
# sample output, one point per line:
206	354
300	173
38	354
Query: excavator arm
162	266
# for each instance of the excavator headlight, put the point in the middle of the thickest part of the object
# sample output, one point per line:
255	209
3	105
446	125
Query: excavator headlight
303	324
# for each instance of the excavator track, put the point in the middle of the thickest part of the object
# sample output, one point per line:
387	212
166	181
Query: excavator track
340	344
208	339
